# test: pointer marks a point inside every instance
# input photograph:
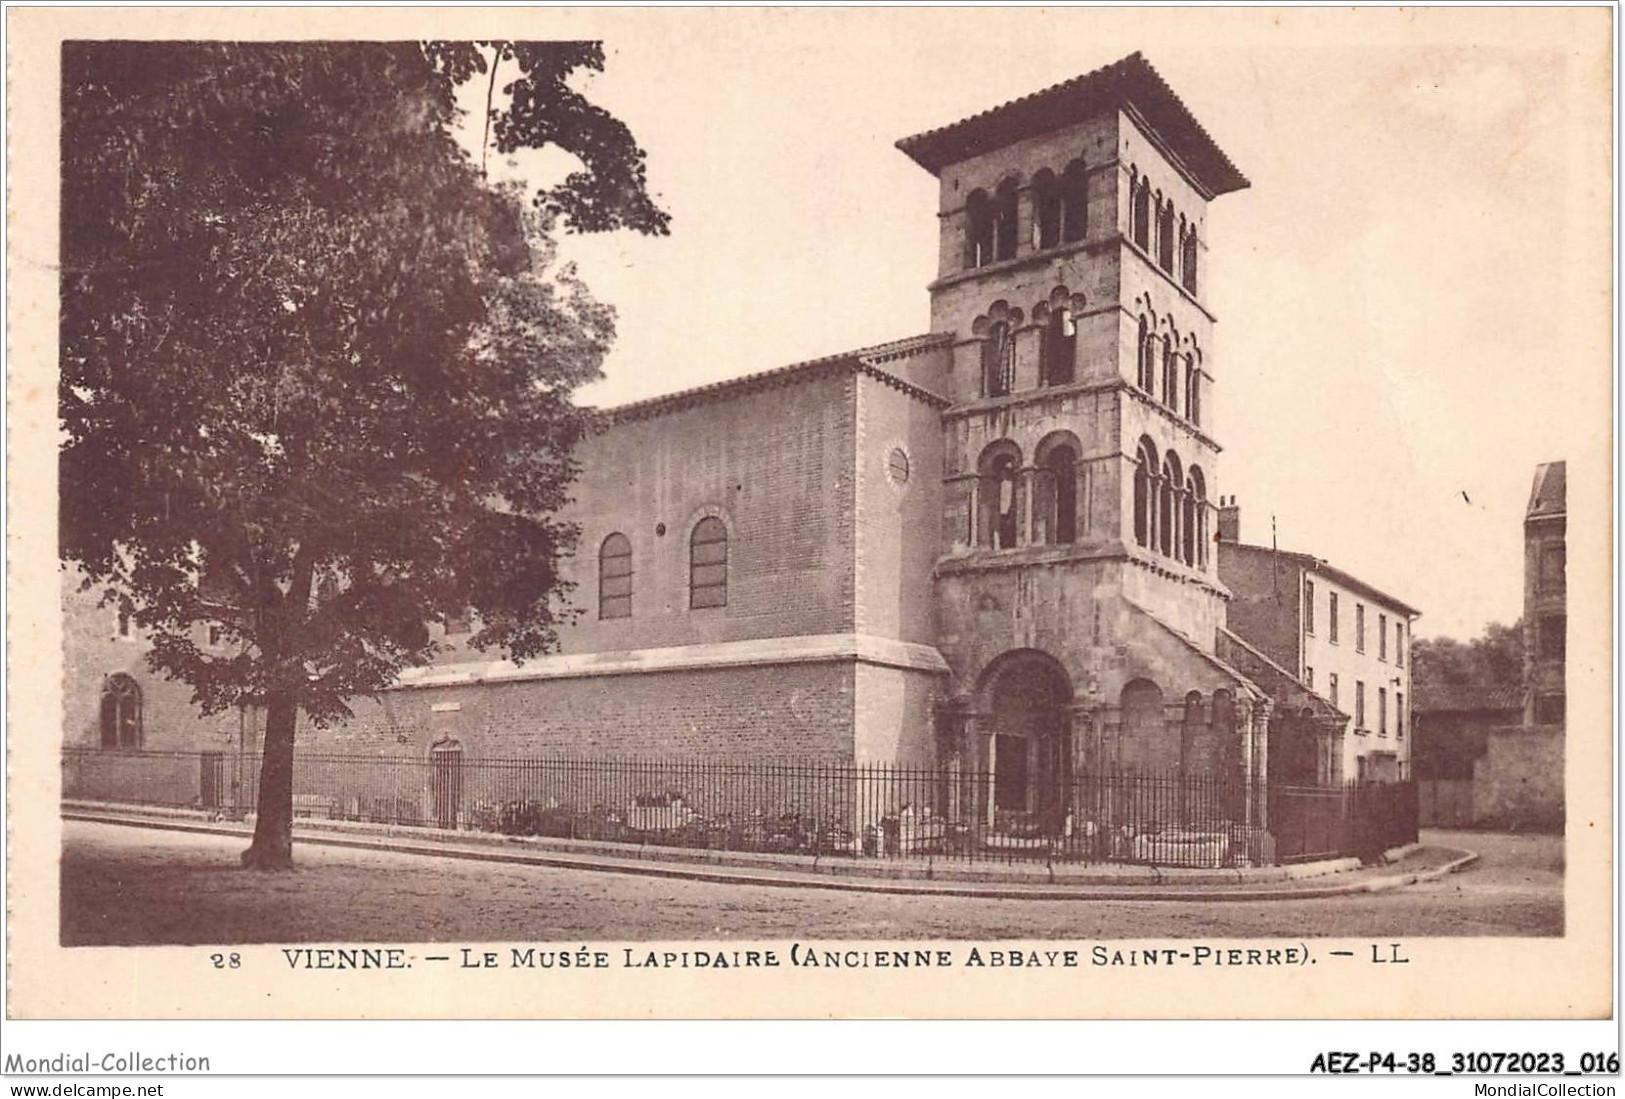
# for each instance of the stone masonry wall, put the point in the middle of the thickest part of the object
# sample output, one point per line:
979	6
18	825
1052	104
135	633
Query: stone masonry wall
768	712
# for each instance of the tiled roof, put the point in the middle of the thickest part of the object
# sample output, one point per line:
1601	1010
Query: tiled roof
1549	494
867	360
1465	697
1284	687
1131	82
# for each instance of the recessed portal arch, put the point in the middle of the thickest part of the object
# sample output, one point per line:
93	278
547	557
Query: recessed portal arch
1026	694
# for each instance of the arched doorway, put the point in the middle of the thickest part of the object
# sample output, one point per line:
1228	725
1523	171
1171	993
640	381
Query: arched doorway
1030	753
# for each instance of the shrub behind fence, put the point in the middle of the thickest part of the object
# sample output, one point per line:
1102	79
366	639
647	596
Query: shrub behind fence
806	808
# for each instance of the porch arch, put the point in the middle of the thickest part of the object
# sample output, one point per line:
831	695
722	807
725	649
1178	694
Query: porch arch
1025	695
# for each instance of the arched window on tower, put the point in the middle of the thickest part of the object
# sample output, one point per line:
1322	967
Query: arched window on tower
1170	373
1192	388
1198	485
121	712
1142	214
1144	374
615	577
708	564
978	229
1060	347
1187	260
1145	492
1165	237
1187	522
1047	206
999	492
998	360
1004	220
1168	516
1074	202
1056	487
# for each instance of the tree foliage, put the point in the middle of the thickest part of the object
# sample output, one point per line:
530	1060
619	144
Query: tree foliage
1494	659
316	372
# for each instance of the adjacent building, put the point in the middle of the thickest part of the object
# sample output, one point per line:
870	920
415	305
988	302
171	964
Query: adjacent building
1491	754
1345	640
1545	596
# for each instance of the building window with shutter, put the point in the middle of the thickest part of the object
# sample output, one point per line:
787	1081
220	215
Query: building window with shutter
1331	617
708	564
1382	711
1382	637
1359	705
1309	607
615	577
1359	627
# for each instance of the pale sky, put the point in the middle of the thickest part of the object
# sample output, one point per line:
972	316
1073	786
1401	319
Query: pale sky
1397	345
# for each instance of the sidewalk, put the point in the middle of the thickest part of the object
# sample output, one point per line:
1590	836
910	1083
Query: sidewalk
914	876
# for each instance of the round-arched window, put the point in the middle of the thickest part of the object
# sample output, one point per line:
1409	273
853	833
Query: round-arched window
121	712
897	466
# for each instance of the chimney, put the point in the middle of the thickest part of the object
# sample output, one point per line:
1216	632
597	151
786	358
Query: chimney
1229	520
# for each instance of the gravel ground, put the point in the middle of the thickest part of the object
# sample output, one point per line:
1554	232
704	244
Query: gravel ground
125	886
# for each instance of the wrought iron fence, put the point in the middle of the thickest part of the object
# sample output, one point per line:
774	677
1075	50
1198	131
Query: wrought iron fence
838	809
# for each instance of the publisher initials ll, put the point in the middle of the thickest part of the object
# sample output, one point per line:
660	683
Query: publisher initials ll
1394	956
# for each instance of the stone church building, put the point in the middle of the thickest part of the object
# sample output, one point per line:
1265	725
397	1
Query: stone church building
988	546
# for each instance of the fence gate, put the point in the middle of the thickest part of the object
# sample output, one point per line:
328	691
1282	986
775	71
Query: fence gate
212	779
447	782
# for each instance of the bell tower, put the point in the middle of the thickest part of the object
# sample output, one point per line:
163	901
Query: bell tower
1079	488
1073	226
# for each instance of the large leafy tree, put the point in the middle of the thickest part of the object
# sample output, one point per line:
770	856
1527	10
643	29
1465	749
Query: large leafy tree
316	370
1493	659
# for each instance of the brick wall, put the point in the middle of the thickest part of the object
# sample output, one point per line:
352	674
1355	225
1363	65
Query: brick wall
775	464
92	650
1264	603
742	713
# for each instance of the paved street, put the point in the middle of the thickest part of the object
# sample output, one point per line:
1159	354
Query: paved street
123	885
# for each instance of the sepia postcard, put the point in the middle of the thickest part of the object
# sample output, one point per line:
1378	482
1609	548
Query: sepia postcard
809	513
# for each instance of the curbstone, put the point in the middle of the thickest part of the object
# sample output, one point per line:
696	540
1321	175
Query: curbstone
1138	883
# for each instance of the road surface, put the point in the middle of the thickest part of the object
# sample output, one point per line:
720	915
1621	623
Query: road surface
124	885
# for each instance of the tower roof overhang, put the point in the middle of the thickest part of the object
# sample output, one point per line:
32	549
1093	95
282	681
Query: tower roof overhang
1130	83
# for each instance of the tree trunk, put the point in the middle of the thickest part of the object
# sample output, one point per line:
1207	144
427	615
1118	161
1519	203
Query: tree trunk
272	848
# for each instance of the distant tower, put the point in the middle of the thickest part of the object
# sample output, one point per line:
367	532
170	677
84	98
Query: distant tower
1545	595
1077	588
